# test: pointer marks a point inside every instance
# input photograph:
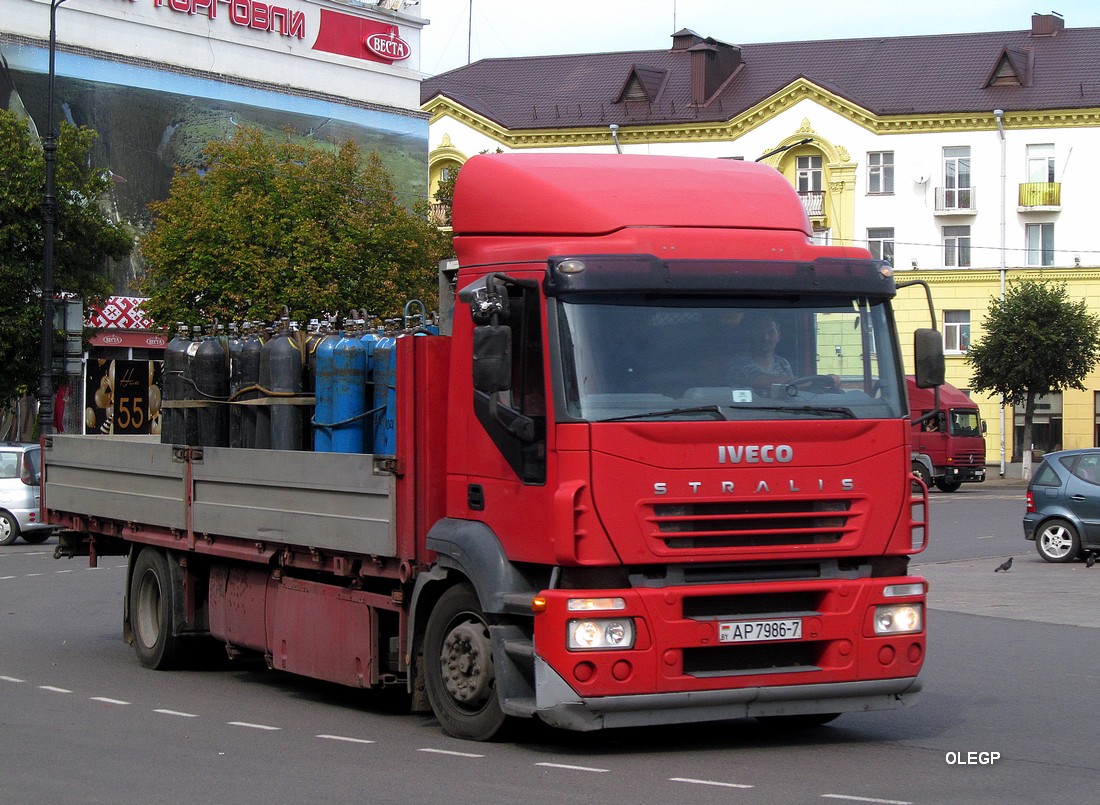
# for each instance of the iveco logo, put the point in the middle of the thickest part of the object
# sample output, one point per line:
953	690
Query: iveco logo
755	454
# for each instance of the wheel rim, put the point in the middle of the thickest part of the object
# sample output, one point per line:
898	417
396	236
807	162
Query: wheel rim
148	610
1057	541
466	663
5	528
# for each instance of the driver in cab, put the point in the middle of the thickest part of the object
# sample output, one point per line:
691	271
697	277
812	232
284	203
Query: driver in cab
757	365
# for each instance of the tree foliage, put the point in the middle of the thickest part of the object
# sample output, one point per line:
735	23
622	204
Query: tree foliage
85	236
265	225
1037	342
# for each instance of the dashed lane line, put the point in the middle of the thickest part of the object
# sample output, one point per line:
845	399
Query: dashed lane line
344	738
573	768
251	726
451	752
850	798
53	689
106	700
164	712
717	783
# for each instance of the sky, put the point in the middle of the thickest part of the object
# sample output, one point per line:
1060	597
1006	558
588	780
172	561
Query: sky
506	28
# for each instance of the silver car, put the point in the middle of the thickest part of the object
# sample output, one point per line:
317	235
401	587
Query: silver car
20	468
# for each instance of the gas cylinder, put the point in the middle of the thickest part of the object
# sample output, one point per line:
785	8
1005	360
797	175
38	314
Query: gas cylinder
191	434
245	374
175	366
210	373
385	396
323	380
349	396
281	377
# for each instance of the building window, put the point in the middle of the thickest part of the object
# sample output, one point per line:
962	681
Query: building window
956	330
1040	244
881	244
810	174
880	172
956	246
1040	163
956	178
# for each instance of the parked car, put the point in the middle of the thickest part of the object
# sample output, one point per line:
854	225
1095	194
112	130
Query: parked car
1063	505
20	467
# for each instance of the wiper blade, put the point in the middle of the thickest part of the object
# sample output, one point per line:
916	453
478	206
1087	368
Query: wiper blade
698	409
847	413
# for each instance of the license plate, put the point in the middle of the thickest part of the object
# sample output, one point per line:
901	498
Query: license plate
756	631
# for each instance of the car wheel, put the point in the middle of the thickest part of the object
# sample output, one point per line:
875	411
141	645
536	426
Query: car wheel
38	536
1057	541
9	529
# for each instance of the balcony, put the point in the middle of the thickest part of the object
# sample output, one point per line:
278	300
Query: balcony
813	201
440	214
956	201
1040	197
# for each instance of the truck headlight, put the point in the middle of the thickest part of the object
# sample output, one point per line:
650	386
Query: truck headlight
899	619
600	633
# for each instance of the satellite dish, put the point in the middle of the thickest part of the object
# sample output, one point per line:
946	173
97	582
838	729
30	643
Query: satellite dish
921	174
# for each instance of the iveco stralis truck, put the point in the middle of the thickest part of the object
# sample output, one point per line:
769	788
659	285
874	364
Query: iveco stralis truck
591	514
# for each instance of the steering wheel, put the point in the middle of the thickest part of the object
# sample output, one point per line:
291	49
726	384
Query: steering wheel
817	384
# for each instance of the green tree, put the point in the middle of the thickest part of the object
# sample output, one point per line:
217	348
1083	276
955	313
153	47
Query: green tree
265	225
85	237
1037	342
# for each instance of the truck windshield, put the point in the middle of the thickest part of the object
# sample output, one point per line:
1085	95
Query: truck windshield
644	357
965	423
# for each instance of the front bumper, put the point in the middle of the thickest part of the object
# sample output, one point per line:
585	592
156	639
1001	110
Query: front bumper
967	474
560	706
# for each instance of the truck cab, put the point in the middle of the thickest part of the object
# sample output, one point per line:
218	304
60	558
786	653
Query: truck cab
948	437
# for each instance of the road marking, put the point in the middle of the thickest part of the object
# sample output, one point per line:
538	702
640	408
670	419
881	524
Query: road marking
252	726
105	700
175	713
6	578
708	782
63	571
449	752
33	575
11	679
344	738
572	768
867	799
52	689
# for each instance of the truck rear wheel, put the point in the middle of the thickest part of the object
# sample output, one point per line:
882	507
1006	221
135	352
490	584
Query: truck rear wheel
152	603
459	673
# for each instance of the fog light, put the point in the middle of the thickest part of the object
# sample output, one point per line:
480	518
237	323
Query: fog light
899	619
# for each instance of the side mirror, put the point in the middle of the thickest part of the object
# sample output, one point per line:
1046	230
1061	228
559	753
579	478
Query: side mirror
492	358
928	363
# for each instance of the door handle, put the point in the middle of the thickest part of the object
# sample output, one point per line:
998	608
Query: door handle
1078	498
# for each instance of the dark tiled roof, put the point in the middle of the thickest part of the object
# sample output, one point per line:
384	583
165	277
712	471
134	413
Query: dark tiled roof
906	76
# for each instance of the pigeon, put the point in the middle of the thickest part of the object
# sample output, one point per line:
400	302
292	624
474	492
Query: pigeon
1005	565
1091	560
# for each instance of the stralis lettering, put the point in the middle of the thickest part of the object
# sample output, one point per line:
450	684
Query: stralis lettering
761	487
755	453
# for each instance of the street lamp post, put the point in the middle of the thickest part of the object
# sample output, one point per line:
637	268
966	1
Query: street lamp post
49	219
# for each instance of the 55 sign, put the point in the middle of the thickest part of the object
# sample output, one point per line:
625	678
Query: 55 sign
122	397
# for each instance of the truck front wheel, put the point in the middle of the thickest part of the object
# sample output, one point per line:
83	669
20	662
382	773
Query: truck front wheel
945	485
152	600
459	672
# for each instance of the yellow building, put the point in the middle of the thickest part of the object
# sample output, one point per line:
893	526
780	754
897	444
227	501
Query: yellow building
965	160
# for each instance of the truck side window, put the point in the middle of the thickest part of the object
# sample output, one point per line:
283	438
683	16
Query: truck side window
517	425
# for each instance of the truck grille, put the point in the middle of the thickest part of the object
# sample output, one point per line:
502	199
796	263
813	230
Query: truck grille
746	524
754	658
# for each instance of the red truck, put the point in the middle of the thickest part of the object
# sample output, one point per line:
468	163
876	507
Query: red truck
948	439
588	517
